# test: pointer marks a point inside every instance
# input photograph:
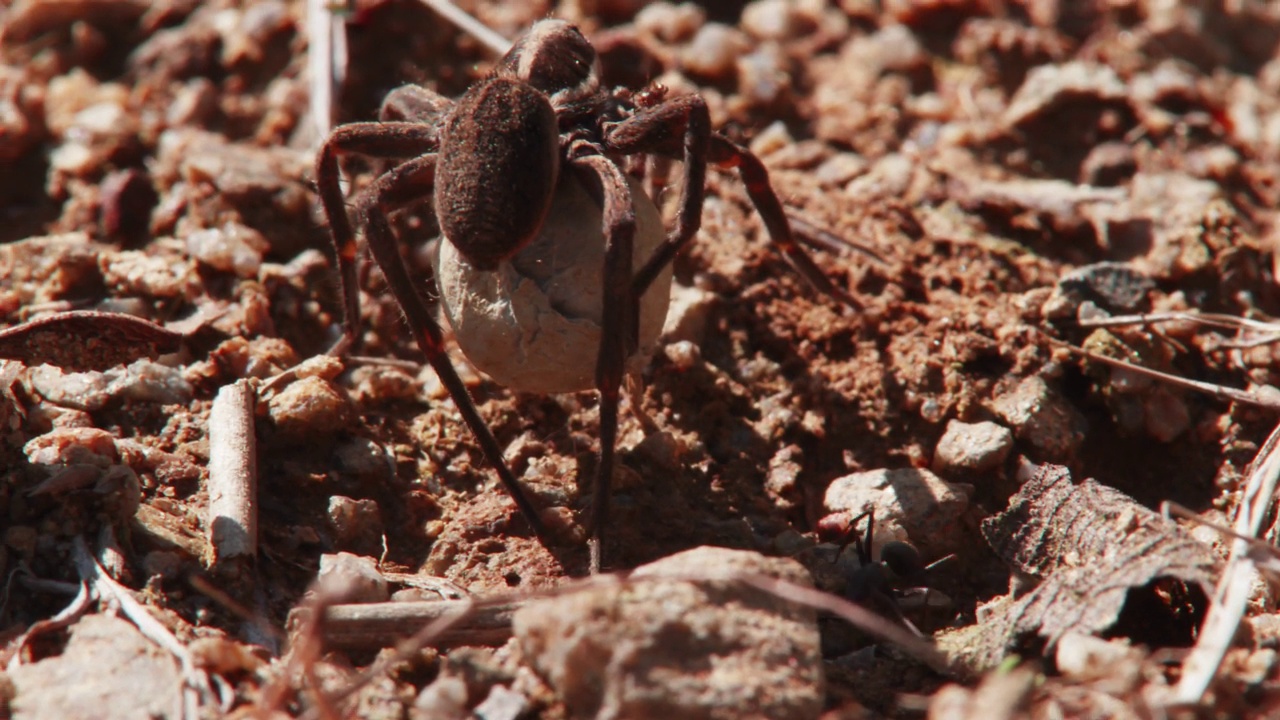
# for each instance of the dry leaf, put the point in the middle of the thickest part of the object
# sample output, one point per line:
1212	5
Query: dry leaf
84	340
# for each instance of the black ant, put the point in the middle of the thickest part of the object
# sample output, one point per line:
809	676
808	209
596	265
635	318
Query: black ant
899	573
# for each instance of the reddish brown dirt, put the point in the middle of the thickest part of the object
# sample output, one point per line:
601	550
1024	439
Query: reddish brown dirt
928	146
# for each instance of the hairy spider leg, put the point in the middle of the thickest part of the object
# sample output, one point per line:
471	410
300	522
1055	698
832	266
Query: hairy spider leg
680	127
728	154
381	140
619	323
405	183
414	103
685	120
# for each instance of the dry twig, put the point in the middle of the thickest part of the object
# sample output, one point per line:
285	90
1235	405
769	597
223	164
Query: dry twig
326	63
379	625
1232	593
233	475
1256	399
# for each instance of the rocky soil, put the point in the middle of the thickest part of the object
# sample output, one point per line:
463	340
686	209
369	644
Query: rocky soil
1000	186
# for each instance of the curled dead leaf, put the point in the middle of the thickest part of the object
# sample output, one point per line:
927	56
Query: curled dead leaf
84	340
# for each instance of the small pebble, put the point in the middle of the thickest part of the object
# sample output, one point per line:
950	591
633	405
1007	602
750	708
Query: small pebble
127	199
683	354
230	247
912	500
713	53
357	524
354	578
772	19
972	447
670	23
68	446
143	381
688	314
309	410
133	272
1062	85
1115	287
364	461
840	169
763	76
1040	416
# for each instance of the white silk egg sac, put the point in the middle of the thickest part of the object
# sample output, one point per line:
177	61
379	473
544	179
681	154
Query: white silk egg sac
533	324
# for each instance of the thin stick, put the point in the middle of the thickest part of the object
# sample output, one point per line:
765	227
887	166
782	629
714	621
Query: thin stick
326	63
1219	320
465	614
379	625
1218	391
822	239
196	682
496	44
1232	594
233	474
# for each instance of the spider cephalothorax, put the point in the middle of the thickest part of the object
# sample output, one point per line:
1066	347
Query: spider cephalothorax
492	162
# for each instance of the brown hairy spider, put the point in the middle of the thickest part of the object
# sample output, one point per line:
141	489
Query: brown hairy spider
491	161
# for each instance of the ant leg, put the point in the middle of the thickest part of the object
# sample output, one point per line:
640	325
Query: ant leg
415	179
387	140
819	238
618	327
851	537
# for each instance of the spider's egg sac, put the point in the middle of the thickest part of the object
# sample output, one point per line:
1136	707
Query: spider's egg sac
533	324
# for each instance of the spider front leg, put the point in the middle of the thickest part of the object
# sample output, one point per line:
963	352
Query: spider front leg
619	328
681	128
728	154
677	128
382	140
412	180
414	103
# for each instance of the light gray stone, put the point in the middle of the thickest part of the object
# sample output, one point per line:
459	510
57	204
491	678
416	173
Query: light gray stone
1043	418
108	670
680	649
906	501
972	447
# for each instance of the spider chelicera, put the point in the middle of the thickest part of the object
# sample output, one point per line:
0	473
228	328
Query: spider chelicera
492	160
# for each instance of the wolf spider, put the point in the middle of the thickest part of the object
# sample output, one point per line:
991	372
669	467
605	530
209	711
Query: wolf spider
491	161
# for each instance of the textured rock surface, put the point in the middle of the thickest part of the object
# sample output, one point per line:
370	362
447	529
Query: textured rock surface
680	649
107	671
905	499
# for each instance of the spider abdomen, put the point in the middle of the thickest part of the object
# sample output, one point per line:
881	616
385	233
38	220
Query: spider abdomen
498	164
